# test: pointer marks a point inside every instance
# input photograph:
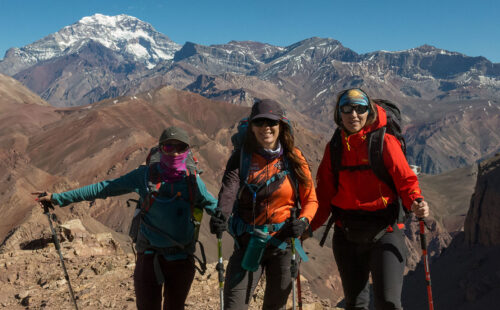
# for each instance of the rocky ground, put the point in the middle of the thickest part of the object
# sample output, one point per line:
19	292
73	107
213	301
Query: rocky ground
100	271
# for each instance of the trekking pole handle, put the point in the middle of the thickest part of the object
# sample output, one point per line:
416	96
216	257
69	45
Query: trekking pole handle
419	200
218	214
423	241
46	204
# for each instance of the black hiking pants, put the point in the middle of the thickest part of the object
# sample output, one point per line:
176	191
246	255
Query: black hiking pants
240	284
384	259
179	275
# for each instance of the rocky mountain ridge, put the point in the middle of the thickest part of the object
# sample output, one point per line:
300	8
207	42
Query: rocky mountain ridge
325	65
102	57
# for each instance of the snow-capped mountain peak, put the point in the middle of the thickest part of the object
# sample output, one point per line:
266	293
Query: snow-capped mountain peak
110	21
124	34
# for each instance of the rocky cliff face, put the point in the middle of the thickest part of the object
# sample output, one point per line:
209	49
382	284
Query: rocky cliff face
482	225
467	275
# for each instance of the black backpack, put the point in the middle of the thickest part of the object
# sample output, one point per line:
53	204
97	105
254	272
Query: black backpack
375	151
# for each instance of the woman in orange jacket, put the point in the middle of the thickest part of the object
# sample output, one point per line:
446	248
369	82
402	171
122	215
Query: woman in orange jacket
263	186
367	236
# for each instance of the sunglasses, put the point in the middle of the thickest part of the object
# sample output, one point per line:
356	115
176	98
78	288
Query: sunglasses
265	122
169	147
348	108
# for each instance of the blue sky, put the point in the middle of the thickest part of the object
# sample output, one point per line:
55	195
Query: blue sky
469	27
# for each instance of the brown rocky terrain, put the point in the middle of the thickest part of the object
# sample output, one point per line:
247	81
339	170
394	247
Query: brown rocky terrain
100	265
58	149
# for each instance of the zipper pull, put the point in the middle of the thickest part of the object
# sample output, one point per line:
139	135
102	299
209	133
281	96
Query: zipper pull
347	143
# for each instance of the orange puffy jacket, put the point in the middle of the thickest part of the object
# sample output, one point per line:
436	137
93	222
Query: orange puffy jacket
274	202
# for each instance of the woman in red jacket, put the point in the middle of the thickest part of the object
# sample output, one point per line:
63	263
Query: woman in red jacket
367	235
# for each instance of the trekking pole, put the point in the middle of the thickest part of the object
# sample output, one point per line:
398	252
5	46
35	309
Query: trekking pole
294	271
329	225
299	289
220	269
294	268
46	206
423	244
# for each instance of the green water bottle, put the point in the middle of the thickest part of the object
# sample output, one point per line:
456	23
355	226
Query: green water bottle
255	249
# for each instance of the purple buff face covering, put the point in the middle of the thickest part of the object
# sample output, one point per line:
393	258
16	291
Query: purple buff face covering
173	167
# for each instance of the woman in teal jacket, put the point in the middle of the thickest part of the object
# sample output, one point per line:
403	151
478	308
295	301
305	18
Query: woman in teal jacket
168	230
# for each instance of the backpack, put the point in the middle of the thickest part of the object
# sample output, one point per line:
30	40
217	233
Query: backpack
375	157
154	183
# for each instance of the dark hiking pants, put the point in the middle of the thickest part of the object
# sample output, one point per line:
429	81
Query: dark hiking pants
240	284
384	259
179	275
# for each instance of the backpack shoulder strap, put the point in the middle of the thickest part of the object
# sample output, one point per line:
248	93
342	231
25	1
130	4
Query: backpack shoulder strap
295	185
192	187
336	155
375	151
245	160
153	187
375	157
196	216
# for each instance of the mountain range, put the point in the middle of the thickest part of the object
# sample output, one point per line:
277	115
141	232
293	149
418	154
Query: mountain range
449	100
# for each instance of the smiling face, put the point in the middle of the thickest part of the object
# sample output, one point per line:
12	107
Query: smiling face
353	122
266	132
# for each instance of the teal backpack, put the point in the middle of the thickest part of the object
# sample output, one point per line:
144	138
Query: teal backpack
154	182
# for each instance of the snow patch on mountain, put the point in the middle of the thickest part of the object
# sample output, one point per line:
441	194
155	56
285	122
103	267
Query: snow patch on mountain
321	92
489	81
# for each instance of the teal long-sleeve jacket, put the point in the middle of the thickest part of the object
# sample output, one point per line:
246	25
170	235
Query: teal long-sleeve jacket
170	213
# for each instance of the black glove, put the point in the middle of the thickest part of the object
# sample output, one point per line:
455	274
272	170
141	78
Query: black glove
218	224
295	228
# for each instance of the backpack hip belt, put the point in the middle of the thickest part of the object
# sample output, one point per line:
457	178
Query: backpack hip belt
237	227
366	226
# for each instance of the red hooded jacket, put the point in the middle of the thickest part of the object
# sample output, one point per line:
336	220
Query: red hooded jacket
361	189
